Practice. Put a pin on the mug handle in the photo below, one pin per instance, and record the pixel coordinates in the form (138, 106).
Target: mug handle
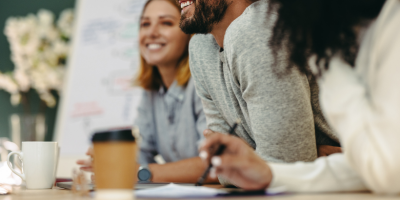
(10, 166)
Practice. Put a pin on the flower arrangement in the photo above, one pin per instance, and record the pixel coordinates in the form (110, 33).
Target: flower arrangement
(39, 49)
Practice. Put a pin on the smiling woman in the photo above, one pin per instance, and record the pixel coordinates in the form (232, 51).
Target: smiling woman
(170, 116)
(163, 46)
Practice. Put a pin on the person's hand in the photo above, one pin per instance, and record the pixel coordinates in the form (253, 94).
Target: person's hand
(239, 164)
(326, 150)
(208, 132)
(87, 164)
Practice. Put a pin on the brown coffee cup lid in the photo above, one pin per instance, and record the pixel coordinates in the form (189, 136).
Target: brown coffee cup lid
(123, 135)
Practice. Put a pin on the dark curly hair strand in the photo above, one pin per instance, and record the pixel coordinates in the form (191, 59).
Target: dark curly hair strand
(320, 27)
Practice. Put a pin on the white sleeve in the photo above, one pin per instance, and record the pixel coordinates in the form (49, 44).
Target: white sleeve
(326, 174)
(364, 107)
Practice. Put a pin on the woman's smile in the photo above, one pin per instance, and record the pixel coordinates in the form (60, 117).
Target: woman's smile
(162, 42)
(155, 46)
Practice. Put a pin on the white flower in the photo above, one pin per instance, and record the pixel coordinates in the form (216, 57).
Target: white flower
(50, 57)
(45, 17)
(37, 47)
(60, 47)
(65, 22)
(22, 79)
(8, 84)
(48, 99)
(52, 79)
(22, 35)
(39, 78)
(15, 99)
(46, 29)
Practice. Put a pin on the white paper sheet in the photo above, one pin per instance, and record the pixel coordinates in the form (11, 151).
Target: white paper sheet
(178, 191)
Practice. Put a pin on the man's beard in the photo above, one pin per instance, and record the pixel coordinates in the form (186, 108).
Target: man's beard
(204, 17)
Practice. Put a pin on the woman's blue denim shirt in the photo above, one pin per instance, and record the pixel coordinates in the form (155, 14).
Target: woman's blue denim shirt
(171, 123)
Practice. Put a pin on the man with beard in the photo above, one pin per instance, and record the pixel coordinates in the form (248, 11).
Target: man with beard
(237, 78)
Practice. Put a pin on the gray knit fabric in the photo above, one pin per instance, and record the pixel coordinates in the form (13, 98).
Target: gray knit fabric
(323, 133)
(241, 81)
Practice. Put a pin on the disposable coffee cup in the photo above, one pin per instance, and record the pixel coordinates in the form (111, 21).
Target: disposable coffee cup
(114, 164)
(39, 161)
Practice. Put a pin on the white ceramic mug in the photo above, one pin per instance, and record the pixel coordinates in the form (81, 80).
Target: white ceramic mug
(39, 161)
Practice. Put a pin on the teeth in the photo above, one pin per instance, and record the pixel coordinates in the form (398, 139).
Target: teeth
(154, 46)
(186, 3)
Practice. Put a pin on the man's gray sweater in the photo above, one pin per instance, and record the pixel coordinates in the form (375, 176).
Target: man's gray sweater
(242, 81)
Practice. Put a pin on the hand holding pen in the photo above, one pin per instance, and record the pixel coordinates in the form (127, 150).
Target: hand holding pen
(219, 151)
(238, 161)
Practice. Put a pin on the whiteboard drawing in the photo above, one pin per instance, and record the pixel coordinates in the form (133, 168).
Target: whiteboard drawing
(104, 59)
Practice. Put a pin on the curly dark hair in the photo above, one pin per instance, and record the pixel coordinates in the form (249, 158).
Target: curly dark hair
(320, 27)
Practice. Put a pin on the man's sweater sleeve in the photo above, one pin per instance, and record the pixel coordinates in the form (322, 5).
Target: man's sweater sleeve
(214, 119)
(278, 100)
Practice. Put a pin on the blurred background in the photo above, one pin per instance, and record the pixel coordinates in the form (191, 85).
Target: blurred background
(66, 71)
(9, 8)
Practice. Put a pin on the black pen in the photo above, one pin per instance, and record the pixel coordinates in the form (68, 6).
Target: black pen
(218, 152)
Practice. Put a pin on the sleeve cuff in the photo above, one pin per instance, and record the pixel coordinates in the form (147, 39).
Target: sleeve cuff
(278, 169)
(326, 174)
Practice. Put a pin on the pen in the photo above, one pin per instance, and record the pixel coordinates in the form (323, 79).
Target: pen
(218, 152)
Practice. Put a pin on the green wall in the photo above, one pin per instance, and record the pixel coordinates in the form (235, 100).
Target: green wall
(22, 8)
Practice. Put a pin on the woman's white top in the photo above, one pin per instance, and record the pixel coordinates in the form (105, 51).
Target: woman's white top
(362, 105)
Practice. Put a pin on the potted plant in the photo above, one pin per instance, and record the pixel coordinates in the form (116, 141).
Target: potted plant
(39, 49)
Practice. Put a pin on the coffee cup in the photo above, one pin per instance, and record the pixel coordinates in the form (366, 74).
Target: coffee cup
(114, 164)
(39, 161)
